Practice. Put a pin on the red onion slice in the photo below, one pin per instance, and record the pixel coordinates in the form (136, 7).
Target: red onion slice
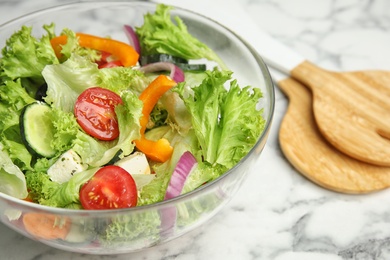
(168, 216)
(185, 165)
(176, 73)
(133, 38)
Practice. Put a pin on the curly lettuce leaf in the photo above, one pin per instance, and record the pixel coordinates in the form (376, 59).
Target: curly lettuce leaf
(24, 57)
(66, 129)
(131, 228)
(49, 193)
(123, 79)
(159, 34)
(242, 123)
(72, 46)
(14, 96)
(226, 121)
(205, 106)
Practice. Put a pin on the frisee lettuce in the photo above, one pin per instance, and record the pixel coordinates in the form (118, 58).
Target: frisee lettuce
(226, 120)
(49, 193)
(24, 58)
(159, 34)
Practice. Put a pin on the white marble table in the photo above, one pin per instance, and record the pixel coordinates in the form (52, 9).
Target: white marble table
(277, 214)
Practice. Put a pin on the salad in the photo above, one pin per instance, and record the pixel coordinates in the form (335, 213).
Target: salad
(89, 122)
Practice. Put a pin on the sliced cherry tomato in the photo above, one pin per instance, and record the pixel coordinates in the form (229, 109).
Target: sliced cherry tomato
(108, 61)
(111, 64)
(103, 59)
(111, 187)
(95, 113)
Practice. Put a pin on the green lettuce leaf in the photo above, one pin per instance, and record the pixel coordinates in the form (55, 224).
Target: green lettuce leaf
(66, 81)
(226, 121)
(12, 179)
(13, 98)
(123, 79)
(24, 57)
(242, 123)
(66, 129)
(49, 193)
(159, 34)
(205, 106)
(18, 153)
(132, 228)
(72, 47)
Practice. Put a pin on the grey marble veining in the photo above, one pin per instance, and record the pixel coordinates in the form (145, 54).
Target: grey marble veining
(277, 213)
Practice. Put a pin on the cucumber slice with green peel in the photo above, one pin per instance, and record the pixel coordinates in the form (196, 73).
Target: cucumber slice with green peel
(178, 61)
(161, 57)
(191, 67)
(37, 130)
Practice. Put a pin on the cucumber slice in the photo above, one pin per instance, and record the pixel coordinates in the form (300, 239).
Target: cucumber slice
(161, 57)
(37, 130)
(180, 62)
(191, 67)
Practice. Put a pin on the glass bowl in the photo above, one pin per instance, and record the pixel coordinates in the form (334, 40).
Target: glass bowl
(146, 226)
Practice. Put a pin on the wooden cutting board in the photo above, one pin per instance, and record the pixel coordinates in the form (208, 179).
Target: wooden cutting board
(352, 110)
(311, 154)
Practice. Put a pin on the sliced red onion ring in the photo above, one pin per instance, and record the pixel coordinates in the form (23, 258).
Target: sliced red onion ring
(168, 216)
(176, 73)
(185, 165)
(133, 38)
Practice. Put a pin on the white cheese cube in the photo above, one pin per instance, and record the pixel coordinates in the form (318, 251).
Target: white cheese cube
(68, 164)
(135, 164)
(138, 167)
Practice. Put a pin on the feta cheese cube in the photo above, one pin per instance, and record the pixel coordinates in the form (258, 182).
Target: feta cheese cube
(68, 164)
(137, 166)
(135, 163)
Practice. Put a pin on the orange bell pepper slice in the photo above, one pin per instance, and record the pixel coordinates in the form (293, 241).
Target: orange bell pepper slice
(159, 150)
(124, 52)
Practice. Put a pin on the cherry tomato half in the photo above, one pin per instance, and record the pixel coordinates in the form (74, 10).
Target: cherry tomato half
(111, 64)
(108, 61)
(95, 113)
(103, 59)
(111, 187)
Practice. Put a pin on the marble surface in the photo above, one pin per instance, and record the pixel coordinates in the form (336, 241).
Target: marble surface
(277, 213)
